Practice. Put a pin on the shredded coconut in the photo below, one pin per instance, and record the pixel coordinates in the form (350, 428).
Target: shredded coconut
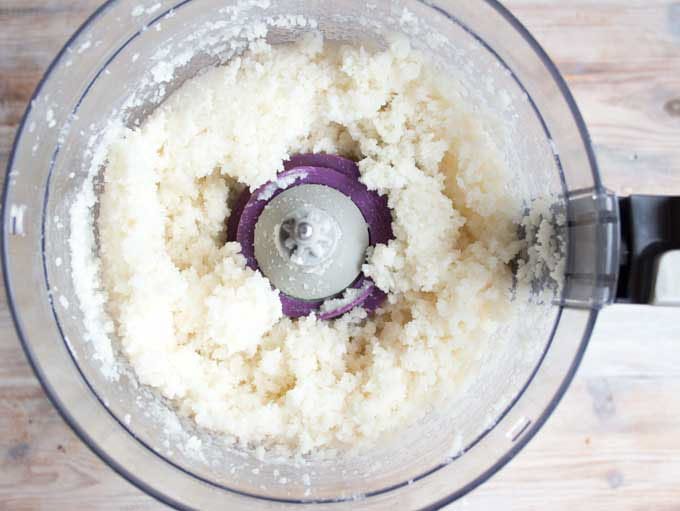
(208, 332)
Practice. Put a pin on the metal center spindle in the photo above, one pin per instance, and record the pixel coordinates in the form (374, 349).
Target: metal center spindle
(305, 231)
(308, 236)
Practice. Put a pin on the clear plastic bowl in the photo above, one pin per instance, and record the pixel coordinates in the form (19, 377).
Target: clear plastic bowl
(113, 57)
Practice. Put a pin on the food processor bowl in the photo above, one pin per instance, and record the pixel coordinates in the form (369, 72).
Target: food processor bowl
(132, 54)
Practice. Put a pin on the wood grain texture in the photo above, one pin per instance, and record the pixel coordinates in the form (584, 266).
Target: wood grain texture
(614, 442)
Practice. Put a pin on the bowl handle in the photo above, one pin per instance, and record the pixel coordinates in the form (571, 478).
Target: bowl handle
(650, 250)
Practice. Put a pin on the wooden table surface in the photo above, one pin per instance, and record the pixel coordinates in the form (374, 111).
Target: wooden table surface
(613, 443)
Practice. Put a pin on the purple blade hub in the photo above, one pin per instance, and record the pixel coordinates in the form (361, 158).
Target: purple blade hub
(335, 172)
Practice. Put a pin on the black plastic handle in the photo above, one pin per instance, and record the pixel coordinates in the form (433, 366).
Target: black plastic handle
(650, 226)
